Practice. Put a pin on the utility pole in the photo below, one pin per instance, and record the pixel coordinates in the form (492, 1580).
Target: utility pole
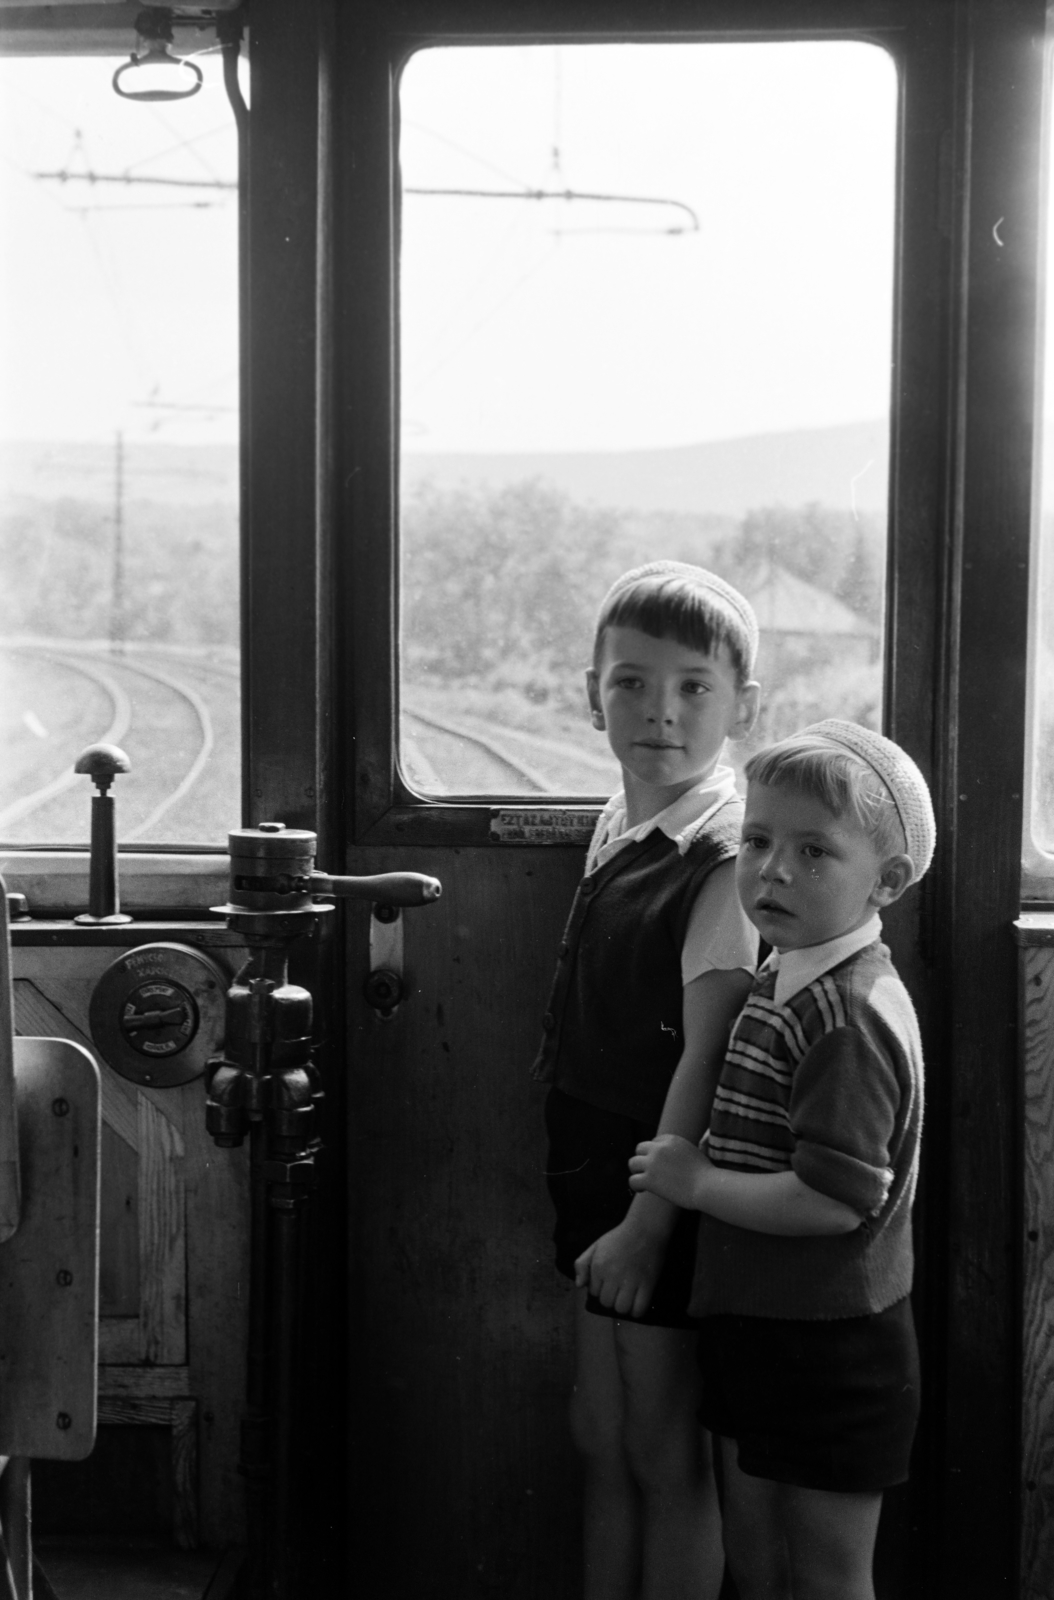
(117, 628)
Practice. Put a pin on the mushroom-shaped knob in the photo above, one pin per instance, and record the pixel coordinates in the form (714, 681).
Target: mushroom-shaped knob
(102, 763)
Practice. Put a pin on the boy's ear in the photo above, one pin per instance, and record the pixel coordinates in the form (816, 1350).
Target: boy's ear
(747, 706)
(897, 874)
(593, 692)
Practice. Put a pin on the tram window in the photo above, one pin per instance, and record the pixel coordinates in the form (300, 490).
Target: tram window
(646, 297)
(118, 454)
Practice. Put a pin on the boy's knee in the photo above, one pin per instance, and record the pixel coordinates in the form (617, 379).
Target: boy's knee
(595, 1428)
(663, 1453)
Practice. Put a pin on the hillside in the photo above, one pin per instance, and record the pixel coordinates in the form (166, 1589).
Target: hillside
(726, 477)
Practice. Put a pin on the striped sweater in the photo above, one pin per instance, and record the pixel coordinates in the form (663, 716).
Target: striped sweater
(828, 1085)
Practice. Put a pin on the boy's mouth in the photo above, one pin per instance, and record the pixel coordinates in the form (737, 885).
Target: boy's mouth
(771, 908)
(658, 744)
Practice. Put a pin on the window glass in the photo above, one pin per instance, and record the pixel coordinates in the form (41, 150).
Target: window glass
(646, 298)
(118, 454)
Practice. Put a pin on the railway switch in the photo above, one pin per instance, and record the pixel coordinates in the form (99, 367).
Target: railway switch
(157, 1014)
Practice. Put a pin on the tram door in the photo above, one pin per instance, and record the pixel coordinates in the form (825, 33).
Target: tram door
(597, 357)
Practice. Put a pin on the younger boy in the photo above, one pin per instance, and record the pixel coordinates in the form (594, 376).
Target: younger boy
(656, 960)
(807, 1347)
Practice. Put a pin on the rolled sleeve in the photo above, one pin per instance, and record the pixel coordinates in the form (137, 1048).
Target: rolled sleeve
(856, 1184)
(843, 1113)
(719, 935)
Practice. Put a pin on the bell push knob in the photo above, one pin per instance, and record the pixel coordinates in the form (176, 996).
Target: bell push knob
(102, 763)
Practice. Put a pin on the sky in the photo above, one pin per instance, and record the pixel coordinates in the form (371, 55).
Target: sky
(526, 325)
(588, 325)
(119, 304)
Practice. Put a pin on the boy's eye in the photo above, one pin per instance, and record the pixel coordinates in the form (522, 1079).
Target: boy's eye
(628, 683)
(754, 841)
(814, 851)
(693, 686)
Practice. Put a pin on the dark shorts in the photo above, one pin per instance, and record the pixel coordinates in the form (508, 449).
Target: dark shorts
(825, 1405)
(588, 1177)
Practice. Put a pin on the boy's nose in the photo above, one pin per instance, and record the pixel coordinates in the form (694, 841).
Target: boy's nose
(773, 867)
(662, 707)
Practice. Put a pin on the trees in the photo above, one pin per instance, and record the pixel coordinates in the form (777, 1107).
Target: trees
(500, 590)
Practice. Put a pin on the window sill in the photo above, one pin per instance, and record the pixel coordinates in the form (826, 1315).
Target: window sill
(55, 882)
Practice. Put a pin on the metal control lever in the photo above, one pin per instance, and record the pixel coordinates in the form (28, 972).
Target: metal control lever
(267, 1088)
(386, 888)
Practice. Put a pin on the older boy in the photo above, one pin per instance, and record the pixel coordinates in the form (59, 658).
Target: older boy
(656, 960)
(804, 1264)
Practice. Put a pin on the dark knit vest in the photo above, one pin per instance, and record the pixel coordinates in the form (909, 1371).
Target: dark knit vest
(613, 1031)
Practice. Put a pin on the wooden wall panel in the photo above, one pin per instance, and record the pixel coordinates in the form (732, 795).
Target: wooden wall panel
(464, 1480)
(184, 1349)
(1037, 1371)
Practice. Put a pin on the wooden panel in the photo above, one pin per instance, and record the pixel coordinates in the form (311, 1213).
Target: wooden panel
(215, 1205)
(56, 1015)
(119, 1228)
(1037, 1375)
(145, 1120)
(461, 1360)
(144, 1383)
(181, 1415)
(162, 1240)
(49, 1269)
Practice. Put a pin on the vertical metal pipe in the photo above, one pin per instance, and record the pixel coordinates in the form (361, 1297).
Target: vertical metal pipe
(286, 1211)
(102, 884)
(255, 1456)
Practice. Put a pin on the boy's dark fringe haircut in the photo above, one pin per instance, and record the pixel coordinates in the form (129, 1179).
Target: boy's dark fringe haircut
(675, 607)
(840, 781)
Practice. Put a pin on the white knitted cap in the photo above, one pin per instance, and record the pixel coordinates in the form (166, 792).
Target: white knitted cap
(727, 597)
(901, 777)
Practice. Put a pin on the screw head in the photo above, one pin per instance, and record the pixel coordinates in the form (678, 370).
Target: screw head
(60, 1107)
(64, 1421)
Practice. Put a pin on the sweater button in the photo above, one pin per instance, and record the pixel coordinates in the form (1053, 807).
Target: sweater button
(587, 886)
(548, 1022)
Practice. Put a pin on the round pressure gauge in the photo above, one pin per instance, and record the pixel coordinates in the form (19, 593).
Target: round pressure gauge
(157, 1014)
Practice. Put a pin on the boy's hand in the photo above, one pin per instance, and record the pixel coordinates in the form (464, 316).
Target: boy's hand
(671, 1167)
(621, 1267)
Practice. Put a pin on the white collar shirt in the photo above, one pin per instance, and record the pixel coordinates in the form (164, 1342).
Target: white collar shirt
(796, 969)
(680, 821)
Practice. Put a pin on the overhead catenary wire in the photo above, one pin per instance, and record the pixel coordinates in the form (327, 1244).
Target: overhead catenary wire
(591, 196)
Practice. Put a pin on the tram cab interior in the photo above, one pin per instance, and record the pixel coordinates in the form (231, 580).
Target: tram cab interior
(353, 349)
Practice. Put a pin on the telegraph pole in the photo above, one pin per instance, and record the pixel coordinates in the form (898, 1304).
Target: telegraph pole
(117, 629)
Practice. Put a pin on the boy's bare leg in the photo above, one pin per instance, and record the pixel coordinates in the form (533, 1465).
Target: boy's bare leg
(612, 1510)
(831, 1540)
(669, 1457)
(755, 1544)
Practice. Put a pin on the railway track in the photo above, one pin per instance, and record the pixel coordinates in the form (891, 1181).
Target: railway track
(142, 807)
(497, 757)
(177, 715)
(511, 762)
(120, 722)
